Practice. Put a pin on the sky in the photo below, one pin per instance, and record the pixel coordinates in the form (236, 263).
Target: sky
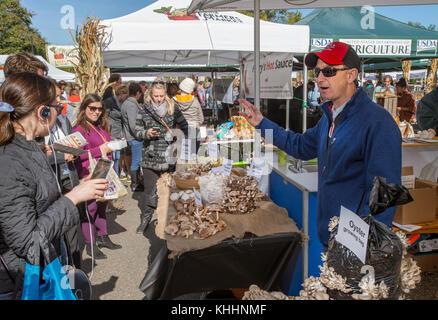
(51, 16)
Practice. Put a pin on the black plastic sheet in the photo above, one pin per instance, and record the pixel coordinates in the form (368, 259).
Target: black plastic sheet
(384, 250)
(267, 261)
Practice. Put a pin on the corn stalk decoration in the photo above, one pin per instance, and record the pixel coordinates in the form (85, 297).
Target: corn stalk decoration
(406, 67)
(89, 41)
(431, 75)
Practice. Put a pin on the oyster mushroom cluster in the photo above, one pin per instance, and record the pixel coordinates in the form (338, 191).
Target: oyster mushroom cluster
(255, 293)
(241, 195)
(195, 222)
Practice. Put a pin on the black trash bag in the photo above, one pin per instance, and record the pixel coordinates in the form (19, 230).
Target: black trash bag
(384, 251)
(384, 196)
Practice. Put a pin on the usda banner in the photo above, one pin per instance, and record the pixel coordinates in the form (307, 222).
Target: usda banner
(275, 76)
(60, 56)
(426, 47)
(380, 47)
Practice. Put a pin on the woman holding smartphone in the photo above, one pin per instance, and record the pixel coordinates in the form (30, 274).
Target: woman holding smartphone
(155, 125)
(92, 123)
(29, 195)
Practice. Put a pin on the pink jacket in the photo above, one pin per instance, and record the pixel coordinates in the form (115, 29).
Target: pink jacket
(94, 142)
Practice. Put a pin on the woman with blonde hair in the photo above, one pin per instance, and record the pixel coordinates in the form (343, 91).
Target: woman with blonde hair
(155, 125)
(92, 123)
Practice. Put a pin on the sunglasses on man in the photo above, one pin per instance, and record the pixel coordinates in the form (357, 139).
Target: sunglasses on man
(155, 83)
(328, 71)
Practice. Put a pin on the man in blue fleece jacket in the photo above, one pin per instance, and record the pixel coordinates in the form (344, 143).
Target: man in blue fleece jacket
(354, 141)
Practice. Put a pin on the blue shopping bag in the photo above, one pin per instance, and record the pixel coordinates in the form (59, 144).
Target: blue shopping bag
(53, 285)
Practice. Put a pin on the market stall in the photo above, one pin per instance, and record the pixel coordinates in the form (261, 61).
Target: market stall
(53, 72)
(220, 232)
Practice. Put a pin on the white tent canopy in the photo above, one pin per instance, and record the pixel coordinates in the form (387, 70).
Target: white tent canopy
(230, 5)
(53, 73)
(162, 34)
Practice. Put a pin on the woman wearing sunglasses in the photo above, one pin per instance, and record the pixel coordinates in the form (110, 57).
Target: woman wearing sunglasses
(156, 126)
(354, 141)
(92, 123)
(29, 195)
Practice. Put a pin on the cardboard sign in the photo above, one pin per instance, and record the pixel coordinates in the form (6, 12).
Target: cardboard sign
(353, 233)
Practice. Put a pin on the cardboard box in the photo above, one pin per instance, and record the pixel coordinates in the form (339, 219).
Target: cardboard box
(408, 177)
(423, 208)
(433, 184)
(427, 263)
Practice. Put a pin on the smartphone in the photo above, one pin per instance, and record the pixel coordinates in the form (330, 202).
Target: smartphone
(156, 129)
(102, 169)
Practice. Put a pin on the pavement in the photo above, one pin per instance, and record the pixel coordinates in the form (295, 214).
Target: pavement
(118, 277)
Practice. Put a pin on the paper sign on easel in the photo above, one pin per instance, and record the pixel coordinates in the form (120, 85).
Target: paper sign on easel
(227, 165)
(257, 168)
(185, 149)
(353, 233)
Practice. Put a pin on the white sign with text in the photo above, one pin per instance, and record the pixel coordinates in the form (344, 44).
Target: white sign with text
(353, 233)
(185, 149)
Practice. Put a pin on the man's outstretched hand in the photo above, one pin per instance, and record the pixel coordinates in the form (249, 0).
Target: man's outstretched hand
(252, 114)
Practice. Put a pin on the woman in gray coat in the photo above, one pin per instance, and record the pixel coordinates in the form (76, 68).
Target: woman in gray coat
(30, 199)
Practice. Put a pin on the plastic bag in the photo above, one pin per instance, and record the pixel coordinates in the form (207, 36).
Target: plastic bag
(384, 196)
(211, 186)
(384, 248)
(223, 129)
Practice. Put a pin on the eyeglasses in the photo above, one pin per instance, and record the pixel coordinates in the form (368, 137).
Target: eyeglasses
(158, 83)
(94, 109)
(329, 71)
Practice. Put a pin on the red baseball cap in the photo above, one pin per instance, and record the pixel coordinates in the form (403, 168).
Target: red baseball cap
(335, 53)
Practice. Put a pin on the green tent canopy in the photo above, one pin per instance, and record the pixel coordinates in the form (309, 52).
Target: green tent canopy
(375, 38)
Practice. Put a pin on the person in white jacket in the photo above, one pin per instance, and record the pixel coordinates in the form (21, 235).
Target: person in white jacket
(190, 107)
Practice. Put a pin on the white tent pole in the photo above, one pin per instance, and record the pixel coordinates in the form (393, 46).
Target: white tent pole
(305, 98)
(257, 53)
(287, 113)
(363, 74)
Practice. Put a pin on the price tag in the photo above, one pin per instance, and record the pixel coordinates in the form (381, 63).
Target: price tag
(227, 165)
(257, 167)
(353, 233)
(213, 150)
(185, 149)
(198, 197)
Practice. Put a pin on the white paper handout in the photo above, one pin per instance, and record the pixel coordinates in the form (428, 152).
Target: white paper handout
(353, 233)
(74, 140)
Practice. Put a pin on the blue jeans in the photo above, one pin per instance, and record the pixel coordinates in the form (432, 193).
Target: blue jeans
(116, 157)
(136, 150)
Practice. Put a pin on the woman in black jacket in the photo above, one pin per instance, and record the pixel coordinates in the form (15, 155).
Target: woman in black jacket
(30, 199)
(156, 125)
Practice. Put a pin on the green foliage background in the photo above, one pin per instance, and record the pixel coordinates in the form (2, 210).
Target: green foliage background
(16, 33)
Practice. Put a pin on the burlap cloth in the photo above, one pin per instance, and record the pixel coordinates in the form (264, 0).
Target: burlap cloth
(268, 219)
